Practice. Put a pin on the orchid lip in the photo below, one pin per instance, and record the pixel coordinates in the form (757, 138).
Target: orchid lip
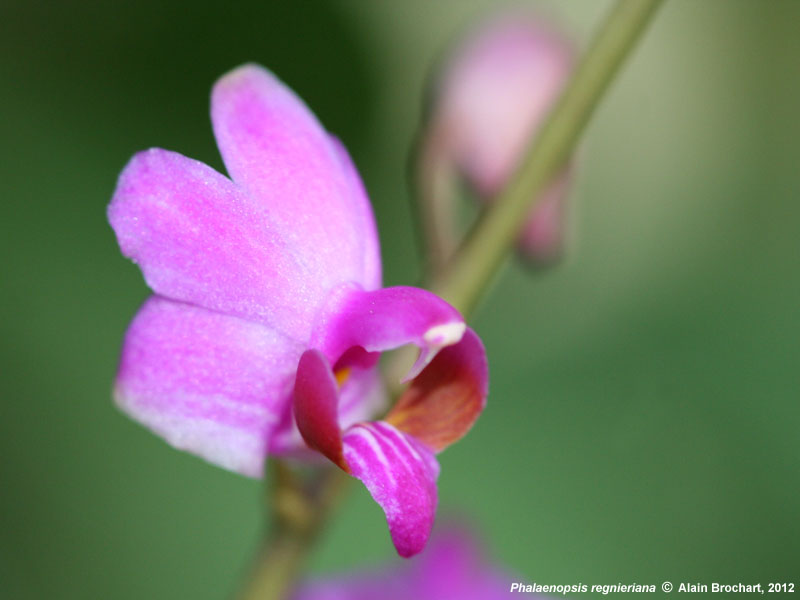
(396, 456)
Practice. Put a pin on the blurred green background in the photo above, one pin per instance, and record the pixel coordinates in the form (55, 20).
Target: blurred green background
(643, 418)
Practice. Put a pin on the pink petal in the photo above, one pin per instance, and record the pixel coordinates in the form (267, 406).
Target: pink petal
(208, 383)
(398, 471)
(200, 239)
(453, 567)
(322, 407)
(400, 474)
(362, 210)
(386, 319)
(316, 400)
(274, 147)
(442, 403)
(361, 397)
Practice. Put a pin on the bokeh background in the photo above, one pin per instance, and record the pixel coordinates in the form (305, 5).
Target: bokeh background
(643, 418)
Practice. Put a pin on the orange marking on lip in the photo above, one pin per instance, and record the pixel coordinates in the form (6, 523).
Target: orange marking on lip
(342, 375)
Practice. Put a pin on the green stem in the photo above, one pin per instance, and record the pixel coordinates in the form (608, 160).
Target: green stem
(487, 245)
(300, 506)
(436, 203)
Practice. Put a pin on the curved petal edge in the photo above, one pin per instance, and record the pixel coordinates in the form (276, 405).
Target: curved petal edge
(316, 399)
(442, 403)
(400, 474)
(386, 319)
(207, 383)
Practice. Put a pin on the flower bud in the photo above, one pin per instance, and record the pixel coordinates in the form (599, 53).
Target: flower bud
(495, 91)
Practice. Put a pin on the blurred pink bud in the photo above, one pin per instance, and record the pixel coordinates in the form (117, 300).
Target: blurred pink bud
(452, 568)
(496, 90)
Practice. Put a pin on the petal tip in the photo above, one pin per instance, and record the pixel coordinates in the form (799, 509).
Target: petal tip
(400, 474)
(435, 339)
(242, 72)
(445, 334)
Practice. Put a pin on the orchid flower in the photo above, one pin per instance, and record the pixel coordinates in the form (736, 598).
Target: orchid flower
(492, 95)
(268, 309)
(451, 568)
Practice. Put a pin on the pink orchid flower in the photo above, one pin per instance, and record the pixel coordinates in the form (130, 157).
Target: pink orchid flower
(451, 568)
(268, 311)
(494, 92)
